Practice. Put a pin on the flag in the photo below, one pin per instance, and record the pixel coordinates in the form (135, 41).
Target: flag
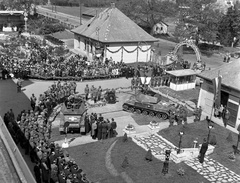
(217, 91)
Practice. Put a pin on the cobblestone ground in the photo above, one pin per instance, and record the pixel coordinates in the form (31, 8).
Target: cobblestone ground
(214, 171)
(155, 143)
(211, 169)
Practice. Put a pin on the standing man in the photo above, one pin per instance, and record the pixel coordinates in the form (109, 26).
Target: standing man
(19, 85)
(227, 117)
(203, 151)
(86, 90)
(37, 172)
(33, 101)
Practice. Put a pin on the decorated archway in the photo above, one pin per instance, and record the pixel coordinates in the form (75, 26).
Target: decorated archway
(192, 45)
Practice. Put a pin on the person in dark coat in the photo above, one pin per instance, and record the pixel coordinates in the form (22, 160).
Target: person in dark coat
(99, 130)
(104, 130)
(37, 172)
(114, 127)
(87, 124)
(203, 151)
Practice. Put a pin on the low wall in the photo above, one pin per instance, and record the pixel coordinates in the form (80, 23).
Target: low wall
(19, 163)
(189, 153)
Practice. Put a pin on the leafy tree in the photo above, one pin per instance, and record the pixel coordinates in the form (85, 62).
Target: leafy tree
(229, 26)
(198, 21)
(147, 13)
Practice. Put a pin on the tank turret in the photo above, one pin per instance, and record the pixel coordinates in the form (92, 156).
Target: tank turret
(148, 105)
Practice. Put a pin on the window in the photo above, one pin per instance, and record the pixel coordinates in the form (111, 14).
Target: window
(233, 109)
(85, 44)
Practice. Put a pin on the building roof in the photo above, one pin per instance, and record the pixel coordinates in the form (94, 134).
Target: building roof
(62, 35)
(112, 25)
(182, 72)
(230, 73)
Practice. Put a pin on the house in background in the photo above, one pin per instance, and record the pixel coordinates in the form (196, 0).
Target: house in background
(160, 28)
(113, 34)
(230, 93)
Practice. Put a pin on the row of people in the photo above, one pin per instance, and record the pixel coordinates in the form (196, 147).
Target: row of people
(32, 130)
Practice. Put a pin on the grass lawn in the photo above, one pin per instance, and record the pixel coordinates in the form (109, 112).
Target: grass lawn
(91, 159)
(143, 172)
(200, 130)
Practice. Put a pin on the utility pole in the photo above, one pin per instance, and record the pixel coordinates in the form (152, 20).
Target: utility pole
(80, 8)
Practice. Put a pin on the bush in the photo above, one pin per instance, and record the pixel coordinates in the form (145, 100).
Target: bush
(213, 141)
(125, 137)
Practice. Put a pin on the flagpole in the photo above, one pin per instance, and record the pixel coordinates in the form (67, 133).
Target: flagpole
(214, 101)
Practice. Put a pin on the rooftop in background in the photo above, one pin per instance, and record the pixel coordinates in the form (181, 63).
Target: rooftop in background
(63, 35)
(112, 25)
(230, 73)
(87, 12)
(182, 72)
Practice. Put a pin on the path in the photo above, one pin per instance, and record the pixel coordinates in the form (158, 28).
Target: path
(112, 170)
(211, 169)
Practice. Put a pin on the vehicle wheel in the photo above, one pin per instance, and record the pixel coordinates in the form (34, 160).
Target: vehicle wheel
(151, 114)
(145, 113)
(138, 111)
(159, 115)
(132, 110)
(164, 116)
(125, 107)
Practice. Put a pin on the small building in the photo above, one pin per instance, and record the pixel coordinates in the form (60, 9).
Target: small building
(183, 79)
(230, 93)
(112, 34)
(160, 28)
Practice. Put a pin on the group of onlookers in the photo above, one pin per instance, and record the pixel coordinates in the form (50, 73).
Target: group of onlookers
(99, 128)
(32, 131)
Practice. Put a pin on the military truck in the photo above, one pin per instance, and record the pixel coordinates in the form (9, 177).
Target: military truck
(72, 114)
(148, 105)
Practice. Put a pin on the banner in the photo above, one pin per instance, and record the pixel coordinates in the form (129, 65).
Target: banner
(217, 91)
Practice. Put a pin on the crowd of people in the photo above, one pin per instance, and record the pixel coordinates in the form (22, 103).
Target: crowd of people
(100, 128)
(31, 129)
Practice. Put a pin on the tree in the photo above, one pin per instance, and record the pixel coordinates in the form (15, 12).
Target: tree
(229, 26)
(147, 13)
(198, 21)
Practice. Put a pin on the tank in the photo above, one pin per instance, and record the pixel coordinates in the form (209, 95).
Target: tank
(72, 114)
(148, 105)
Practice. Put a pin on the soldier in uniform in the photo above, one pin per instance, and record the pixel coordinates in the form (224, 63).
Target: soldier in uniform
(86, 90)
(133, 82)
(195, 114)
(171, 118)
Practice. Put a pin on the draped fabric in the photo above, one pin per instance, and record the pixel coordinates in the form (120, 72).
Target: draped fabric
(128, 51)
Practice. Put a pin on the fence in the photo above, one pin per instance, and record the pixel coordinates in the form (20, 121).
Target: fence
(19, 163)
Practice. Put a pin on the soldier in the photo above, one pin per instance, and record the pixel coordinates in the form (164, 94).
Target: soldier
(195, 114)
(133, 82)
(86, 90)
(33, 101)
(171, 118)
(99, 93)
(19, 85)
(199, 113)
(37, 172)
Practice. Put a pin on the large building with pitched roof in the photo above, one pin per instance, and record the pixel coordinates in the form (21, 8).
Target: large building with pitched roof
(113, 34)
(230, 92)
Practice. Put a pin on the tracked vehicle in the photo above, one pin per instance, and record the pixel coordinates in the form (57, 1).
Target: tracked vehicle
(72, 114)
(148, 105)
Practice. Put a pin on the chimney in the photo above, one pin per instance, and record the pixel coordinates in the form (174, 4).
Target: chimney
(112, 5)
